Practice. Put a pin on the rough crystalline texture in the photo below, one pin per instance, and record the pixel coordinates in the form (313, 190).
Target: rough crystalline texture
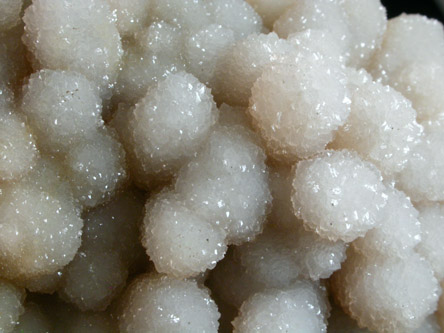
(188, 14)
(92, 280)
(237, 15)
(423, 177)
(320, 43)
(372, 291)
(110, 246)
(10, 13)
(162, 304)
(62, 108)
(339, 322)
(227, 184)
(178, 240)
(33, 320)
(270, 10)
(431, 246)
(382, 124)
(357, 36)
(11, 305)
(338, 195)
(167, 127)
(204, 50)
(319, 15)
(221, 197)
(411, 59)
(298, 250)
(17, 147)
(269, 260)
(244, 63)
(115, 226)
(184, 35)
(77, 35)
(422, 85)
(409, 39)
(151, 59)
(399, 231)
(366, 31)
(275, 259)
(299, 308)
(132, 15)
(40, 225)
(245, 271)
(149, 69)
(295, 112)
(192, 15)
(318, 257)
(96, 168)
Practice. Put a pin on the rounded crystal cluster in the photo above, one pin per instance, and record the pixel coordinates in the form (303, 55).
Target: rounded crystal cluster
(220, 166)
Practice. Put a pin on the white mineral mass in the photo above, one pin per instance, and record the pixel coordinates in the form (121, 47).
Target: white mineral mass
(18, 151)
(188, 14)
(299, 308)
(220, 166)
(338, 195)
(270, 10)
(179, 241)
(244, 63)
(62, 108)
(110, 246)
(75, 35)
(278, 257)
(365, 31)
(268, 261)
(227, 184)
(398, 232)
(163, 304)
(372, 291)
(93, 279)
(205, 49)
(374, 129)
(409, 39)
(96, 168)
(40, 226)
(237, 15)
(11, 305)
(295, 112)
(431, 217)
(155, 55)
(132, 15)
(167, 127)
(422, 178)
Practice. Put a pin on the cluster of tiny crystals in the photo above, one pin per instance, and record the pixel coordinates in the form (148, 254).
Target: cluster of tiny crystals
(210, 166)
